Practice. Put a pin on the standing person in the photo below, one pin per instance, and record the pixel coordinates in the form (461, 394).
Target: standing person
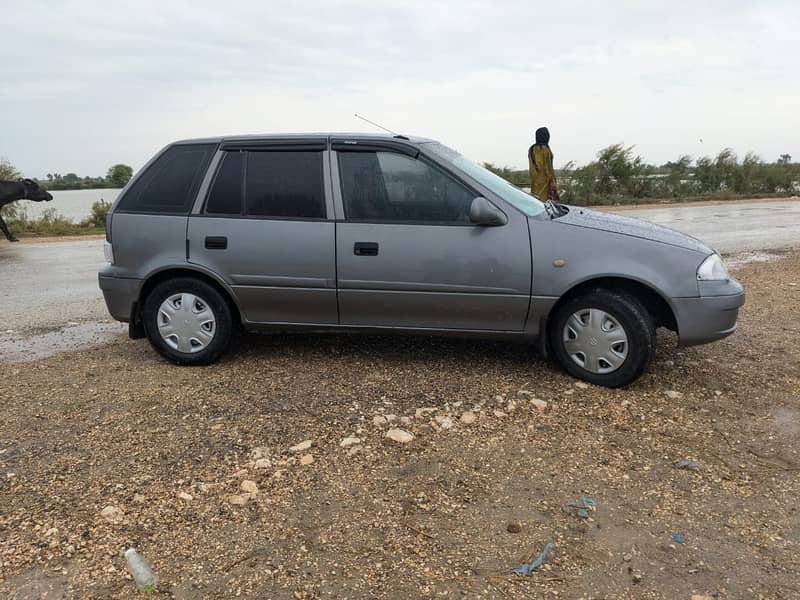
(540, 165)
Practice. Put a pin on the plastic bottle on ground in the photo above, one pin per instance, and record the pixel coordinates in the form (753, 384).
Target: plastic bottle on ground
(144, 577)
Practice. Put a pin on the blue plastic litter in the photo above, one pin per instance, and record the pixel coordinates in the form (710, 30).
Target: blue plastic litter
(691, 465)
(678, 538)
(581, 507)
(530, 567)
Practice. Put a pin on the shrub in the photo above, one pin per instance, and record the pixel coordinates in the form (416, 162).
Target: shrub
(98, 217)
(51, 223)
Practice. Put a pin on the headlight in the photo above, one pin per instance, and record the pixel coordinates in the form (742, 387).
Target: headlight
(712, 269)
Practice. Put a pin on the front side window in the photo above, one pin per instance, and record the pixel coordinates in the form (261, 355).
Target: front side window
(387, 186)
(170, 184)
(528, 204)
(284, 184)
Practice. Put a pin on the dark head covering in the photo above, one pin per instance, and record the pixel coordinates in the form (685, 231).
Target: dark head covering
(542, 136)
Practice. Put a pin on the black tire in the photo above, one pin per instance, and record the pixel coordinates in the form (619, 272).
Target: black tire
(630, 314)
(210, 296)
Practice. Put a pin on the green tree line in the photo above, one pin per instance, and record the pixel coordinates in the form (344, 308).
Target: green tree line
(619, 175)
(116, 177)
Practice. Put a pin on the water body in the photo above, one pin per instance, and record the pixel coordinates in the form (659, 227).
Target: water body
(75, 205)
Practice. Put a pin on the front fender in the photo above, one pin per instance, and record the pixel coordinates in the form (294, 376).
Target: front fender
(566, 255)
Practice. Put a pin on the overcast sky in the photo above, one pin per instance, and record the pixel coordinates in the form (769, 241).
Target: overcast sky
(88, 84)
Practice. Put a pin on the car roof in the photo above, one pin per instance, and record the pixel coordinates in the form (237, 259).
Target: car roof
(307, 136)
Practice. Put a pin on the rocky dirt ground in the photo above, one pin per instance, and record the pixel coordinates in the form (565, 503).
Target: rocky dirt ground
(111, 447)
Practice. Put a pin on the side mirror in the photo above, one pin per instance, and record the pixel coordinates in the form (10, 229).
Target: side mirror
(482, 212)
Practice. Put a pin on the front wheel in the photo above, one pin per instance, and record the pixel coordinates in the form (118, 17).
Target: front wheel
(188, 321)
(604, 337)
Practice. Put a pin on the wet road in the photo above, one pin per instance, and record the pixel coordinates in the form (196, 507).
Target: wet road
(50, 290)
(734, 227)
(49, 286)
(49, 283)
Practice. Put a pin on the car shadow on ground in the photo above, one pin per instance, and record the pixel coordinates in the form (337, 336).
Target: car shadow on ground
(390, 348)
(510, 355)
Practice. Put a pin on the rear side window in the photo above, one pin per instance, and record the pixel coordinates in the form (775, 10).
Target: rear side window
(226, 193)
(170, 184)
(387, 186)
(284, 184)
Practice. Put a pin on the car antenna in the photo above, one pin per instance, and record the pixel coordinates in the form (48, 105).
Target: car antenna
(394, 133)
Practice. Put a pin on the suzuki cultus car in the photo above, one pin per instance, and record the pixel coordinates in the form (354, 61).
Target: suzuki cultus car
(390, 233)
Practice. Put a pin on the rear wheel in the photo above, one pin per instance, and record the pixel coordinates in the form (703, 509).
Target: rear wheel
(188, 321)
(604, 337)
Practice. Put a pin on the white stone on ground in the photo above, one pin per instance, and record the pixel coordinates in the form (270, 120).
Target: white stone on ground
(401, 436)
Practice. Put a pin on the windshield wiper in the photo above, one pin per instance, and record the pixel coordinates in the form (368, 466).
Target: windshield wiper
(554, 209)
(551, 209)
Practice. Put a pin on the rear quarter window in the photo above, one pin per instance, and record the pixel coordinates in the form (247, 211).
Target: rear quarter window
(170, 184)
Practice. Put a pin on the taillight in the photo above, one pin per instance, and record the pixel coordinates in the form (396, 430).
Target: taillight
(108, 226)
(108, 252)
(108, 249)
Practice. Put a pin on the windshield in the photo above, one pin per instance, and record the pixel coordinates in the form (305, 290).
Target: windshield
(508, 192)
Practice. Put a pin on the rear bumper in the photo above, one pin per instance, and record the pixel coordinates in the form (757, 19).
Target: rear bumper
(120, 293)
(708, 318)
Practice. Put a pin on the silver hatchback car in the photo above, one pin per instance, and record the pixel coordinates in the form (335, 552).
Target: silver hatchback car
(390, 233)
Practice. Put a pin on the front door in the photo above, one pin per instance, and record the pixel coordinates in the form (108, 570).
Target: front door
(407, 254)
(264, 229)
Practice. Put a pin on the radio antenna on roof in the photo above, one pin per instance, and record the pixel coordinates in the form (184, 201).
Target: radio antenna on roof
(358, 116)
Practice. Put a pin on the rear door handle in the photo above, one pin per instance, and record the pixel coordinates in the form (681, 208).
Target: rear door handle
(365, 249)
(216, 243)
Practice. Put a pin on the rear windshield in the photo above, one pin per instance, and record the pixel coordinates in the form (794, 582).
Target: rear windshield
(170, 184)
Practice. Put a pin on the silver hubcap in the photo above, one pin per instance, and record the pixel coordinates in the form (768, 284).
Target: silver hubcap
(186, 323)
(595, 340)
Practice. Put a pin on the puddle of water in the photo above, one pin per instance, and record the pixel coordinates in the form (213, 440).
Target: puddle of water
(17, 347)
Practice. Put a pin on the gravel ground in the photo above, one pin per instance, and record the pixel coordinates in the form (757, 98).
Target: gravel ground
(111, 447)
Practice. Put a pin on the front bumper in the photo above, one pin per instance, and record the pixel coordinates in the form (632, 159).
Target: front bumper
(709, 317)
(120, 293)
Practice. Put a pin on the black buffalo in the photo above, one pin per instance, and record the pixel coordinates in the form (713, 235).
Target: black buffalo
(24, 189)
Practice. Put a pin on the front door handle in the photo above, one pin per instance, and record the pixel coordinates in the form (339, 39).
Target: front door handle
(216, 243)
(365, 249)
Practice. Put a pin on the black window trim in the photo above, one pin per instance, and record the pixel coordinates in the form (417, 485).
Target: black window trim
(355, 145)
(265, 147)
(205, 215)
(150, 213)
(277, 145)
(390, 147)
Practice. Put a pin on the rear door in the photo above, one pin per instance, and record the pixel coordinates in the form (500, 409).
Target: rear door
(408, 255)
(264, 227)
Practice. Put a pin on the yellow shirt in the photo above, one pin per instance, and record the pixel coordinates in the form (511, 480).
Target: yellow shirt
(540, 166)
